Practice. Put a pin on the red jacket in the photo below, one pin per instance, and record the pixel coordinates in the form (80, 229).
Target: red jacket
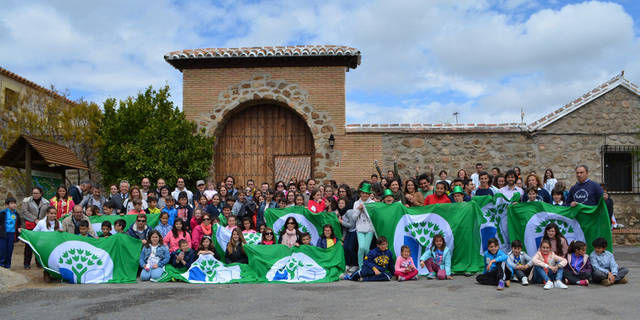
(433, 199)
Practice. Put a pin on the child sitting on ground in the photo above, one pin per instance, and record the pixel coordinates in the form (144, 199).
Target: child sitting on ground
(328, 238)
(496, 271)
(405, 268)
(519, 263)
(154, 256)
(206, 247)
(183, 257)
(605, 268)
(378, 264)
(106, 229)
(83, 229)
(437, 259)
(578, 269)
(548, 266)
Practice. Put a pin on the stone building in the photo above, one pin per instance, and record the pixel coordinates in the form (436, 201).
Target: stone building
(272, 105)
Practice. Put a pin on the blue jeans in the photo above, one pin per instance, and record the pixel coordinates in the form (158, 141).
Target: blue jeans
(549, 275)
(154, 274)
(364, 243)
(6, 249)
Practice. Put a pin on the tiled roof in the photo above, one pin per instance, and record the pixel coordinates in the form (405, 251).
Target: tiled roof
(435, 128)
(51, 153)
(253, 52)
(33, 85)
(614, 82)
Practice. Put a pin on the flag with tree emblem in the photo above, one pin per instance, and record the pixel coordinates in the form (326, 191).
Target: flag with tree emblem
(78, 259)
(222, 236)
(279, 263)
(307, 221)
(493, 222)
(208, 269)
(96, 221)
(527, 222)
(416, 226)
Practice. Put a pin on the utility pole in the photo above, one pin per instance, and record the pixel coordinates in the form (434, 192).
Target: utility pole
(455, 114)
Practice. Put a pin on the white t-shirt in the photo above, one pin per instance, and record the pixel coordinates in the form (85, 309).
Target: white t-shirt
(41, 226)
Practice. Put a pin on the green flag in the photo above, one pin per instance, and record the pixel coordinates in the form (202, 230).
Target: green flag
(78, 259)
(493, 221)
(307, 221)
(279, 263)
(222, 236)
(584, 223)
(416, 226)
(207, 269)
(96, 221)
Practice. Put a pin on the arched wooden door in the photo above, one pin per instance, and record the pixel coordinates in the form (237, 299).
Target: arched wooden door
(260, 137)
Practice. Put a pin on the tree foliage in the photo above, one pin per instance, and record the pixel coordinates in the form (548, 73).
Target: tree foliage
(147, 136)
(50, 116)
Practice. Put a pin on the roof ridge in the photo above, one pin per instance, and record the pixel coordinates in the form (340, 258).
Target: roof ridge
(34, 85)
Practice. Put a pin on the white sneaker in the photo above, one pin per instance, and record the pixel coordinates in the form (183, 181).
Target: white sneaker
(525, 281)
(548, 285)
(558, 284)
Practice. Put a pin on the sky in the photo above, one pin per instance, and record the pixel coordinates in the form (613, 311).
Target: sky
(422, 60)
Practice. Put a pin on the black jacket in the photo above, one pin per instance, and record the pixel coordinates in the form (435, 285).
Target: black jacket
(189, 258)
(239, 256)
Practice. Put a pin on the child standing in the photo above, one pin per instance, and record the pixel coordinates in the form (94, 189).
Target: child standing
(119, 226)
(328, 238)
(519, 263)
(378, 264)
(548, 266)
(153, 203)
(364, 226)
(178, 233)
(170, 208)
(9, 225)
(437, 259)
(578, 269)
(105, 228)
(496, 271)
(267, 237)
(605, 268)
(348, 221)
(405, 268)
(305, 239)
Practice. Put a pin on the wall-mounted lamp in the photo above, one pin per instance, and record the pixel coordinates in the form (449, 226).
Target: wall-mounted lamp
(332, 141)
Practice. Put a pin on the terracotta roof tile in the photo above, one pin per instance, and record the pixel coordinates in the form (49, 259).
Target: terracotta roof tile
(33, 85)
(52, 153)
(248, 52)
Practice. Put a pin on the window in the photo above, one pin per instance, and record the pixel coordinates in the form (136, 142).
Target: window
(10, 98)
(621, 168)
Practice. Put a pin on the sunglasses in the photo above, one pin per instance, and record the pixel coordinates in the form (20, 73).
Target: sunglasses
(291, 223)
(268, 233)
(206, 219)
(141, 220)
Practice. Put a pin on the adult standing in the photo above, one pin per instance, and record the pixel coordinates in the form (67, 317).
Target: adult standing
(533, 181)
(93, 199)
(34, 209)
(200, 188)
(476, 175)
(77, 192)
(584, 191)
(146, 186)
(62, 201)
(118, 200)
(229, 181)
(511, 188)
(159, 184)
(181, 188)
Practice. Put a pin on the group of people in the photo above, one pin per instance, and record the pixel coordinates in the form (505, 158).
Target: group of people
(187, 217)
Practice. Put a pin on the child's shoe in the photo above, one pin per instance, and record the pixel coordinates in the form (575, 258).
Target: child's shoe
(500, 285)
(507, 283)
(583, 283)
(345, 276)
(559, 285)
(401, 278)
(605, 282)
(548, 285)
(525, 281)
(623, 280)
(431, 275)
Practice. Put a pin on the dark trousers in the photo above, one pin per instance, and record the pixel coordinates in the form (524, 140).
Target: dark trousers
(501, 272)
(28, 255)
(599, 275)
(367, 274)
(351, 248)
(573, 278)
(521, 273)
(6, 249)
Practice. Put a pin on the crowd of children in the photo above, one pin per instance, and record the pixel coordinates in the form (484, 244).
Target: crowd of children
(185, 228)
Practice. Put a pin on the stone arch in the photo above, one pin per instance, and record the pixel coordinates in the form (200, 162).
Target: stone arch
(262, 88)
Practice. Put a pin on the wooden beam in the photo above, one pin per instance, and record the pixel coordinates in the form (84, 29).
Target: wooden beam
(27, 169)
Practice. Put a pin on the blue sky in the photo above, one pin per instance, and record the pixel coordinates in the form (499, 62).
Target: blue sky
(421, 60)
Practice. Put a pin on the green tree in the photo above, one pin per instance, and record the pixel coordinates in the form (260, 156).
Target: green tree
(147, 136)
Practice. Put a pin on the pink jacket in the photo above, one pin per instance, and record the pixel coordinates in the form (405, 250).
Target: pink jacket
(172, 242)
(554, 260)
(197, 237)
(402, 264)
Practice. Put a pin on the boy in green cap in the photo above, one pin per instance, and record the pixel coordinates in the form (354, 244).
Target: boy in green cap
(387, 196)
(457, 194)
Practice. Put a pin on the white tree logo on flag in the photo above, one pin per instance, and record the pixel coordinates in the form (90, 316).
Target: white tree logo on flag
(417, 231)
(495, 224)
(253, 238)
(296, 268)
(81, 262)
(209, 269)
(534, 231)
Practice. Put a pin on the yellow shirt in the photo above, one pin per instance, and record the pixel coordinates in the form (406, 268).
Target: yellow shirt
(330, 243)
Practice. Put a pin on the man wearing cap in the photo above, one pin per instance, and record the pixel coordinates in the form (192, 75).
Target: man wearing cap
(9, 224)
(387, 196)
(200, 187)
(364, 226)
(457, 195)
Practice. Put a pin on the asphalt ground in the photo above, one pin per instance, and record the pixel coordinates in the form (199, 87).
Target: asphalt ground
(461, 298)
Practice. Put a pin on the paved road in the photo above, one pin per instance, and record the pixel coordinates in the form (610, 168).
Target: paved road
(460, 298)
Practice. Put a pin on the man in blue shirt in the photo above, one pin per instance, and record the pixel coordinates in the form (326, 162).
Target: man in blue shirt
(9, 224)
(584, 191)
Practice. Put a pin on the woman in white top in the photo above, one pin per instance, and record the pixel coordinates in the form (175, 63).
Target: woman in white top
(50, 223)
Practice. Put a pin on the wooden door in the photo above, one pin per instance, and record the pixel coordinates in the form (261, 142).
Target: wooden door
(253, 137)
